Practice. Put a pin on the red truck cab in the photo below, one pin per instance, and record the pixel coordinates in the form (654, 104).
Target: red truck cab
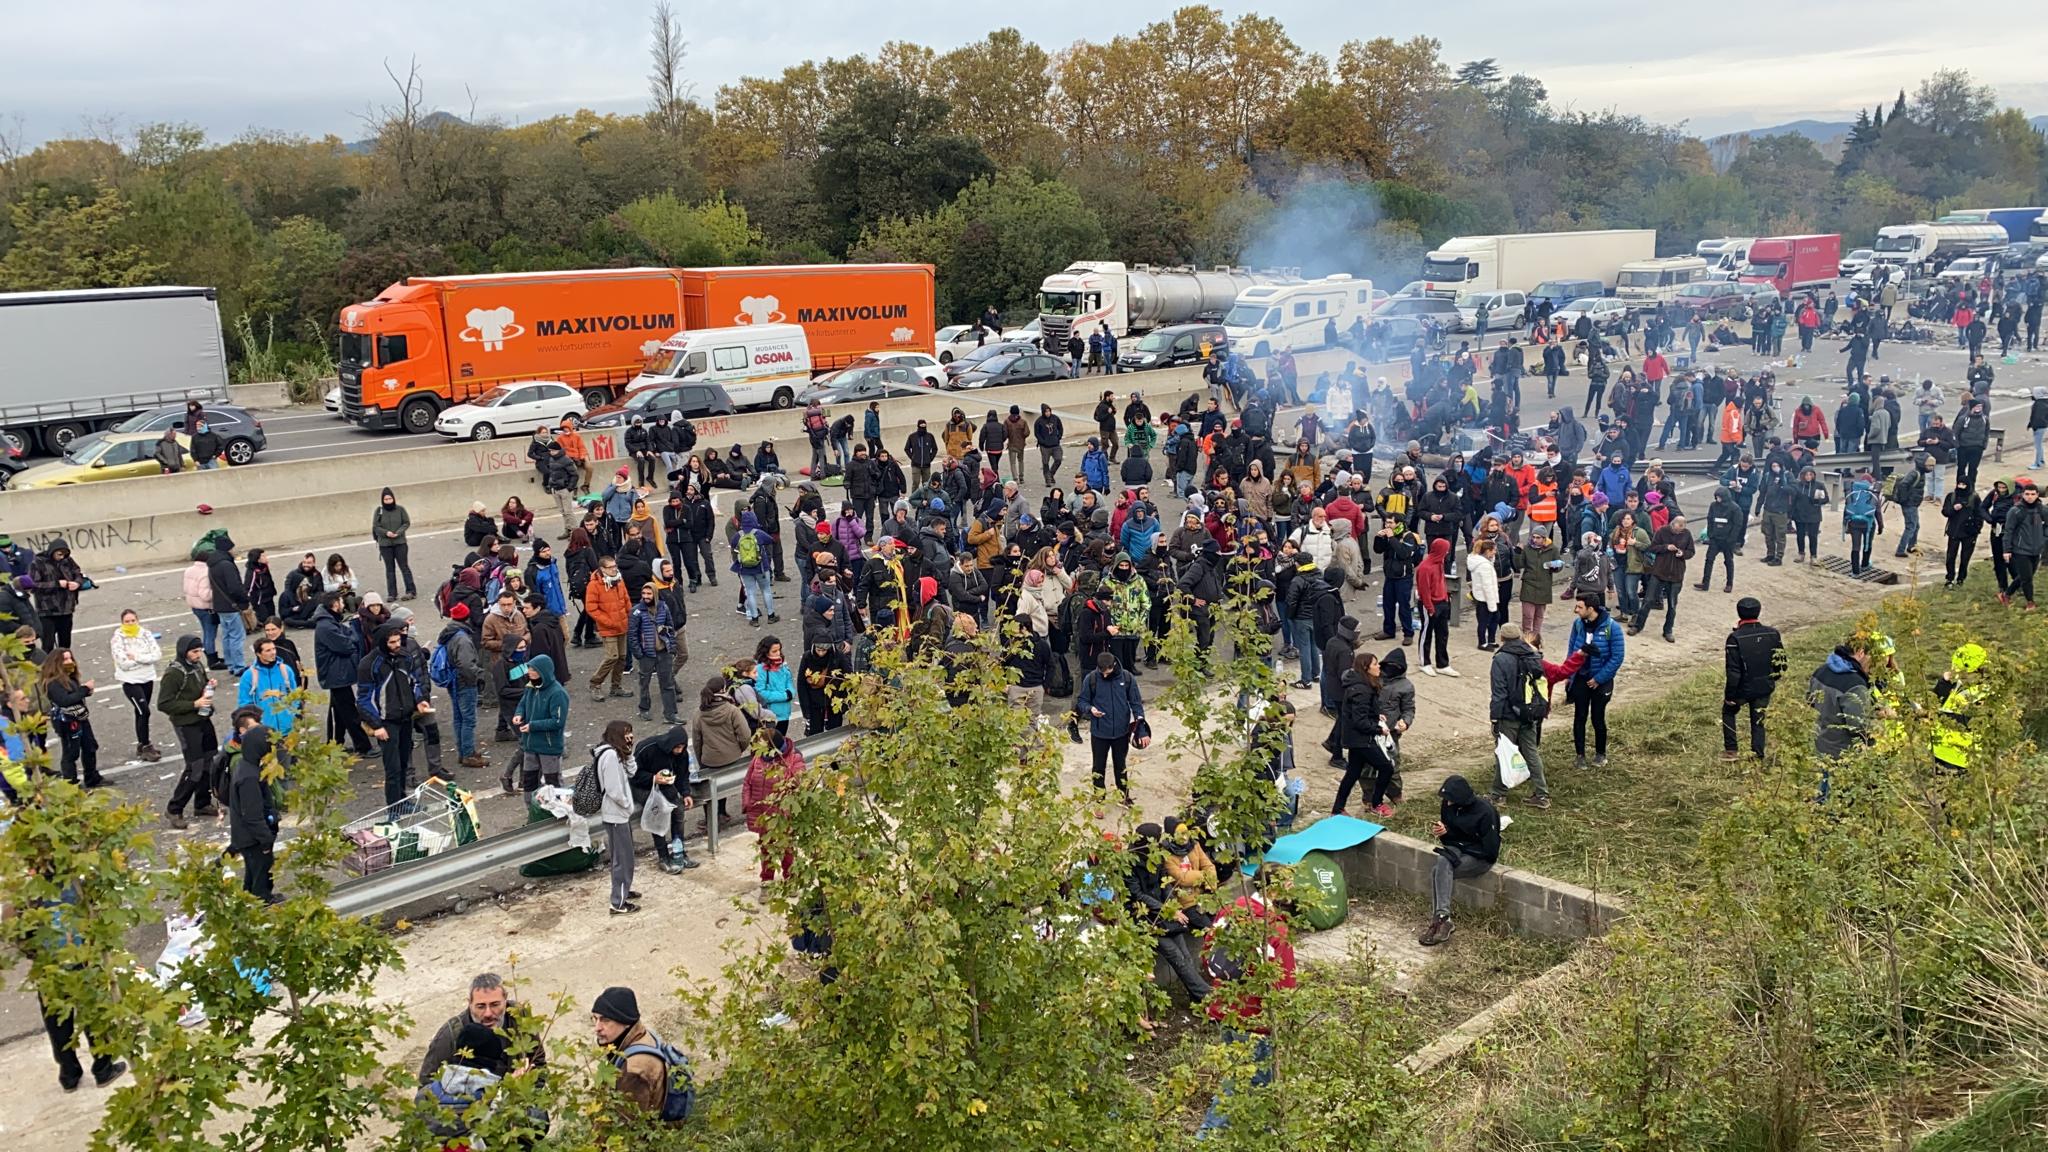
(1789, 263)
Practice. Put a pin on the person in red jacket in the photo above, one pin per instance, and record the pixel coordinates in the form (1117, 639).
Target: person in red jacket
(768, 776)
(1809, 423)
(1432, 594)
(1655, 368)
(1235, 967)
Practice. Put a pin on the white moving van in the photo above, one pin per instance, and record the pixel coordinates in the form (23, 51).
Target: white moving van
(756, 364)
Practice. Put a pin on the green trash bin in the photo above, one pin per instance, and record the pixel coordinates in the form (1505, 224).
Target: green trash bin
(1319, 882)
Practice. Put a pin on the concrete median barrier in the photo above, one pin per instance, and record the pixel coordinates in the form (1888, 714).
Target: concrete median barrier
(155, 519)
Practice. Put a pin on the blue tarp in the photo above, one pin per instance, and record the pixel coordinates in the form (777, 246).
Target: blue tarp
(1330, 834)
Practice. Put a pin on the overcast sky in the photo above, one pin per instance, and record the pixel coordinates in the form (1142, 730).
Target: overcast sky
(232, 65)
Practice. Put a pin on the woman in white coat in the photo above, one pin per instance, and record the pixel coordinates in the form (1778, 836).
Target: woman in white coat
(137, 656)
(1482, 583)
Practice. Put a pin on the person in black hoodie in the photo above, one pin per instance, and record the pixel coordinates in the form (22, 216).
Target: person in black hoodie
(1359, 731)
(230, 599)
(1468, 846)
(252, 817)
(664, 763)
(1755, 660)
(1965, 516)
(1725, 522)
(1153, 907)
(1402, 550)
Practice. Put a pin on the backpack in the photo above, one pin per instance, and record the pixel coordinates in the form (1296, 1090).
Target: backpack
(444, 598)
(1534, 706)
(441, 668)
(1860, 507)
(203, 548)
(588, 798)
(680, 1094)
(748, 550)
(1137, 470)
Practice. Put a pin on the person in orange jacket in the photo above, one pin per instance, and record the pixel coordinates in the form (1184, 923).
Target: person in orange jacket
(607, 603)
(1730, 436)
(578, 452)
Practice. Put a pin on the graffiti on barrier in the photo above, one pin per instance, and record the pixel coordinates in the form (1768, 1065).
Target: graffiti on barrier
(493, 460)
(87, 539)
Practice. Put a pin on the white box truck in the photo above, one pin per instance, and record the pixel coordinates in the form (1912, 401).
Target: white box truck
(1465, 264)
(73, 362)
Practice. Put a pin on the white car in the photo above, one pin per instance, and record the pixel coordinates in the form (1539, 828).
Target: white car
(332, 401)
(1856, 261)
(954, 341)
(928, 369)
(511, 409)
(1027, 332)
(1967, 268)
(1607, 313)
(1503, 310)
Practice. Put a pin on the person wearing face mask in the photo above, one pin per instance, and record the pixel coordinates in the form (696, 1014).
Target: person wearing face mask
(542, 721)
(392, 696)
(609, 604)
(136, 657)
(609, 760)
(2025, 528)
(388, 526)
(71, 716)
(205, 446)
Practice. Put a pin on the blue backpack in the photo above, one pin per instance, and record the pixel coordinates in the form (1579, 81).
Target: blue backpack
(681, 1093)
(441, 668)
(1861, 506)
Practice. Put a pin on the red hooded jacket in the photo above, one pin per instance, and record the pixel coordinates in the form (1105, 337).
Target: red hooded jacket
(1430, 589)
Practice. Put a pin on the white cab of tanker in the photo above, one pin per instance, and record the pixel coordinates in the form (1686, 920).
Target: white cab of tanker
(1138, 298)
(1269, 318)
(1518, 263)
(1914, 248)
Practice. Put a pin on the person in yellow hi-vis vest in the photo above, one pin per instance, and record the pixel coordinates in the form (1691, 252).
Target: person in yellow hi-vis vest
(1953, 740)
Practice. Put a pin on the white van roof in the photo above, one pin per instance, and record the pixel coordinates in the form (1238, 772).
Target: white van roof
(753, 332)
(1667, 262)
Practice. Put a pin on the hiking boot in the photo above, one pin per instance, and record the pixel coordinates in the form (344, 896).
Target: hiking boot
(474, 760)
(505, 782)
(1730, 755)
(1438, 932)
(1383, 635)
(103, 1075)
(148, 752)
(1540, 803)
(1700, 587)
(175, 822)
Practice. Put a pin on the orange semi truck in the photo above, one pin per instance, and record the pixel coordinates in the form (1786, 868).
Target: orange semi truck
(429, 342)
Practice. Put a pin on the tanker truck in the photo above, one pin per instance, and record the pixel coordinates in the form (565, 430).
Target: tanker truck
(1089, 293)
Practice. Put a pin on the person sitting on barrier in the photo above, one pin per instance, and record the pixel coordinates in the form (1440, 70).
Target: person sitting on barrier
(1468, 836)
(490, 1006)
(1155, 908)
(663, 764)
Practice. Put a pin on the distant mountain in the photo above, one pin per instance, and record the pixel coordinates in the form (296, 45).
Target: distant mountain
(430, 120)
(1826, 134)
(2040, 123)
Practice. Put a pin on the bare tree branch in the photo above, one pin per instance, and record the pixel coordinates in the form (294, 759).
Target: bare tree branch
(669, 91)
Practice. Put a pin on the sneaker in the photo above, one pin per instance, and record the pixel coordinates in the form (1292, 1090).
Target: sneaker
(1540, 803)
(623, 909)
(631, 895)
(646, 715)
(1580, 762)
(1438, 932)
(1302, 684)
(148, 752)
(101, 1077)
(2004, 599)
(1383, 635)
(474, 760)
(174, 822)
(774, 619)
(753, 621)
(599, 695)
(1429, 669)
(686, 863)
(1600, 761)
(1447, 670)
(1407, 639)
(1730, 754)
(1383, 811)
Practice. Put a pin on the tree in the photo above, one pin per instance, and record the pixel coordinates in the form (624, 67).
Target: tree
(995, 243)
(1863, 136)
(980, 982)
(891, 152)
(714, 232)
(668, 93)
(998, 88)
(74, 243)
(1479, 73)
(1950, 104)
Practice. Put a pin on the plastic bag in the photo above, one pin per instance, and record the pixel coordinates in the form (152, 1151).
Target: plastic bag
(1508, 758)
(654, 816)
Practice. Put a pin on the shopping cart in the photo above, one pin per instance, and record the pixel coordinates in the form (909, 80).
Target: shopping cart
(437, 816)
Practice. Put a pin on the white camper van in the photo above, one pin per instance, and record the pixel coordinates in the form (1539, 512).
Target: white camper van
(1644, 284)
(756, 364)
(1269, 318)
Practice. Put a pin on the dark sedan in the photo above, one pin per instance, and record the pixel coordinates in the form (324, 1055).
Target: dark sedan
(973, 361)
(241, 435)
(1024, 368)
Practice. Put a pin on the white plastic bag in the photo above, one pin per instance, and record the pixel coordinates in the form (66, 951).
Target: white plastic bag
(1508, 758)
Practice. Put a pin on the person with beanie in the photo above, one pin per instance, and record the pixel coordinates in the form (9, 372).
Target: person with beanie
(391, 696)
(1110, 701)
(388, 526)
(626, 1042)
(1755, 659)
(466, 664)
(1468, 837)
(1517, 705)
(186, 699)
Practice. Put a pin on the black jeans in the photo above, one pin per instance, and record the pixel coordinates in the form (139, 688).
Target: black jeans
(63, 1033)
(398, 738)
(344, 722)
(1727, 556)
(397, 559)
(1957, 560)
(256, 871)
(1807, 535)
(138, 700)
(79, 744)
(1729, 711)
(1437, 637)
(1662, 590)
(1967, 460)
(199, 745)
(1358, 761)
(1108, 752)
(56, 631)
(1590, 703)
(2023, 576)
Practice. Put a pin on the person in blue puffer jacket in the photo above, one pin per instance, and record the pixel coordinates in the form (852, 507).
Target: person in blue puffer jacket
(774, 681)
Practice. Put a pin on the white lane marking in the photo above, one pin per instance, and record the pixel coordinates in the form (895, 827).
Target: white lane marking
(321, 547)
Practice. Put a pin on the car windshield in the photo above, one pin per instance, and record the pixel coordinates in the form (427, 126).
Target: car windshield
(665, 362)
(995, 364)
(493, 398)
(1155, 342)
(136, 423)
(1449, 268)
(1861, 254)
(951, 332)
(981, 354)
(1648, 279)
(1552, 289)
(355, 348)
(1693, 290)
(1586, 304)
(1472, 300)
(1245, 315)
(1060, 303)
(1897, 243)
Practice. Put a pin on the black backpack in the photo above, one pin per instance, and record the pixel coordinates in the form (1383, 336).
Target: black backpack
(1534, 706)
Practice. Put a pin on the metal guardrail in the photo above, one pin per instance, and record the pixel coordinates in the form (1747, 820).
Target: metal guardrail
(405, 884)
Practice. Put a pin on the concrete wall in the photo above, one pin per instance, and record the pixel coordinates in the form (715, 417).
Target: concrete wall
(154, 519)
(1532, 904)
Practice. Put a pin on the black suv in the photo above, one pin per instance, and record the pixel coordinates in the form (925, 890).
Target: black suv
(1171, 345)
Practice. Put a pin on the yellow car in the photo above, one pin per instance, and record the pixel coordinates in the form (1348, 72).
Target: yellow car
(114, 456)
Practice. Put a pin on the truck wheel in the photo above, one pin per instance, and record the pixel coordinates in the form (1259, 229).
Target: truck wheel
(784, 398)
(57, 437)
(595, 398)
(241, 450)
(418, 416)
(482, 431)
